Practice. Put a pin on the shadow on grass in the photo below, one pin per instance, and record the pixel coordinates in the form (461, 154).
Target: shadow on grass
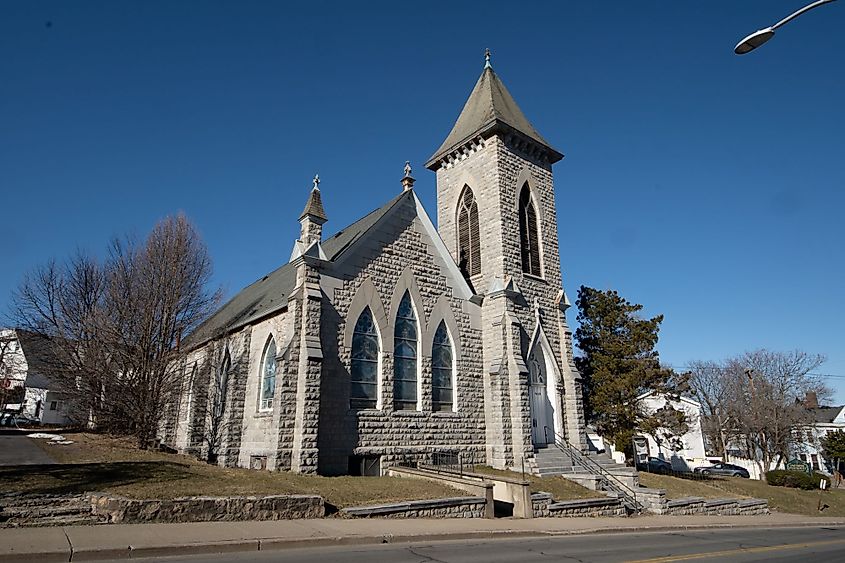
(87, 477)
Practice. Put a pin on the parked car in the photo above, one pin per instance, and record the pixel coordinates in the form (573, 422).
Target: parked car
(727, 469)
(655, 465)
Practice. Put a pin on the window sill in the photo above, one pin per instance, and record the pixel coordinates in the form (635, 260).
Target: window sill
(409, 414)
(365, 411)
(446, 414)
(263, 414)
(533, 277)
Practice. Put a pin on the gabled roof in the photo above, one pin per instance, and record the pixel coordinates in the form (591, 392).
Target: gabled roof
(489, 108)
(41, 359)
(270, 293)
(825, 414)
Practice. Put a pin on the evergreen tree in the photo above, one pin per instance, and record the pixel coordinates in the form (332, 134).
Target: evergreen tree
(619, 363)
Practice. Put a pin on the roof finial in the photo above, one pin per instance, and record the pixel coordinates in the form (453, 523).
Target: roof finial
(407, 180)
(487, 59)
(316, 181)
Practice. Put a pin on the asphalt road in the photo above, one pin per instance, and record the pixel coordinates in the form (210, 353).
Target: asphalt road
(17, 449)
(742, 545)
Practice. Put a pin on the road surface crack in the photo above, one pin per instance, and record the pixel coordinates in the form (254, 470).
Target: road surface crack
(425, 557)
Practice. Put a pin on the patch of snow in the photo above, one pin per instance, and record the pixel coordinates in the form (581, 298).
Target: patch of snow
(42, 436)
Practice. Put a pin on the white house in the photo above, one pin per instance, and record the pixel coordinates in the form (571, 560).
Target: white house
(28, 361)
(825, 419)
(684, 452)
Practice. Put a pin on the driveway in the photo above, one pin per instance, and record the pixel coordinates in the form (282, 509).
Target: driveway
(17, 449)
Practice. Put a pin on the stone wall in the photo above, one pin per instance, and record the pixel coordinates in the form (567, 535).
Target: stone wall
(655, 501)
(545, 507)
(459, 507)
(117, 510)
(395, 256)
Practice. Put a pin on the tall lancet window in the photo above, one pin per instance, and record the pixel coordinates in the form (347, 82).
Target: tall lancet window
(363, 381)
(529, 237)
(442, 371)
(268, 376)
(469, 244)
(405, 356)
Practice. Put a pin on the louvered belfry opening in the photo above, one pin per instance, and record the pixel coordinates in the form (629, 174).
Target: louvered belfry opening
(469, 243)
(528, 235)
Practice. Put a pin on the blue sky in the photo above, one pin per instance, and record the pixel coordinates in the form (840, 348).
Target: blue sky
(706, 186)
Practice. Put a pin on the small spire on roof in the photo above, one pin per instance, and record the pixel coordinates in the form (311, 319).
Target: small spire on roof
(314, 205)
(487, 59)
(407, 180)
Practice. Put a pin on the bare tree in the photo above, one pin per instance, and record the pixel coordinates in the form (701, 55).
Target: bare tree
(713, 390)
(117, 326)
(757, 398)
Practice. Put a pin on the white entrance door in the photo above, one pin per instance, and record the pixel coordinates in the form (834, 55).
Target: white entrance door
(542, 413)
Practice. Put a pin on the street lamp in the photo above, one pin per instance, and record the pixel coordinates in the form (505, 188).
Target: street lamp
(757, 38)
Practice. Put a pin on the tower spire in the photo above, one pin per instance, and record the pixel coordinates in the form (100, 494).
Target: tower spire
(407, 179)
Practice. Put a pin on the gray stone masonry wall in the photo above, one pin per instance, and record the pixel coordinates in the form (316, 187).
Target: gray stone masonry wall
(117, 510)
(396, 246)
(459, 507)
(545, 507)
(655, 501)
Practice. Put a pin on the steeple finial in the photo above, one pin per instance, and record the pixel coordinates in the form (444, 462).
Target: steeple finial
(487, 59)
(316, 181)
(407, 180)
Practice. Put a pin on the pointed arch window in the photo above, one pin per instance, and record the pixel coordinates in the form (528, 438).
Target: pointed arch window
(363, 381)
(405, 356)
(529, 239)
(442, 371)
(221, 389)
(268, 376)
(469, 243)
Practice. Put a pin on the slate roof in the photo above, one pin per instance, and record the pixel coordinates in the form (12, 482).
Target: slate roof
(489, 107)
(270, 293)
(825, 414)
(314, 206)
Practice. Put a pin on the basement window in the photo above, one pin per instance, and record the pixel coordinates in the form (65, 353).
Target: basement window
(365, 465)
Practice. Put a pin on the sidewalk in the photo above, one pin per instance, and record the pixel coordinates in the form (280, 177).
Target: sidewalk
(148, 540)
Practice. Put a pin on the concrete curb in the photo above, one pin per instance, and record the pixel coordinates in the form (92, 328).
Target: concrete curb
(268, 544)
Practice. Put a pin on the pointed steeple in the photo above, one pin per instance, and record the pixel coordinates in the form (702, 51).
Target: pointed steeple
(489, 109)
(314, 205)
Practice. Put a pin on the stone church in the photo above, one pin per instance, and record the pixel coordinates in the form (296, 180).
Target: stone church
(395, 341)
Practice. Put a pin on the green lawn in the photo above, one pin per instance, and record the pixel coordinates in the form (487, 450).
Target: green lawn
(781, 499)
(97, 463)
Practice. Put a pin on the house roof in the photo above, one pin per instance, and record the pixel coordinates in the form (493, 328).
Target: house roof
(271, 292)
(489, 108)
(41, 359)
(825, 414)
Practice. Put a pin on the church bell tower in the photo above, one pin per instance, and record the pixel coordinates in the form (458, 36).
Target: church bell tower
(496, 213)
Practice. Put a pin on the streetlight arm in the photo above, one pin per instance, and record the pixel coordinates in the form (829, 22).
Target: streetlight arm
(797, 13)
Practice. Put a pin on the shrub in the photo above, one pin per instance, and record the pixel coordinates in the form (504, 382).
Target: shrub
(795, 479)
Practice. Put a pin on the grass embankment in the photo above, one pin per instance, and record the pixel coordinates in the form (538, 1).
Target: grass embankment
(97, 463)
(560, 488)
(781, 499)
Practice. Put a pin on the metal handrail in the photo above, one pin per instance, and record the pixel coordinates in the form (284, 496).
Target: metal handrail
(595, 468)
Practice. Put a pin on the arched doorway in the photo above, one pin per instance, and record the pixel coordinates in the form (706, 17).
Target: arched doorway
(542, 408)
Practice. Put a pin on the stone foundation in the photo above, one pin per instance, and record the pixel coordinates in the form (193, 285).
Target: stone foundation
(459, 507)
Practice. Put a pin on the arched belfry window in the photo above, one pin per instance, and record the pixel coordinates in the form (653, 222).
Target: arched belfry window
(268, 376)
(405, 356)
(529, 237)
(442, 371)
(469, 244)
(363, 391)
